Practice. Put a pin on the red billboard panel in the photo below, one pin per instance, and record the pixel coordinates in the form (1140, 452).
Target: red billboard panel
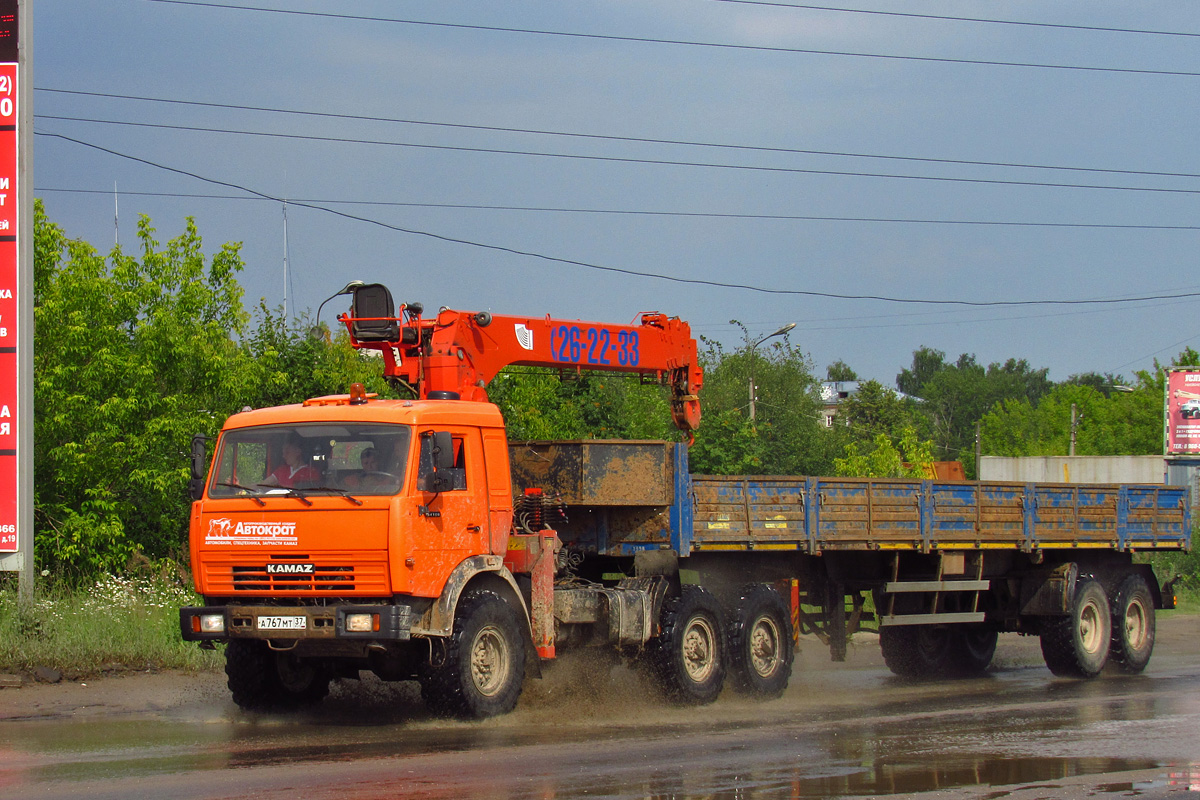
(9, 457)
(1182, 410)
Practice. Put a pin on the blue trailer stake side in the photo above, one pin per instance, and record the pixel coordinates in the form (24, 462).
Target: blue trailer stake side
(938, 568)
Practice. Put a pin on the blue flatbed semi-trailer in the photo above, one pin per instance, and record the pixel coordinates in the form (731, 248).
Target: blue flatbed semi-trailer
(613, 483)
(938, 568)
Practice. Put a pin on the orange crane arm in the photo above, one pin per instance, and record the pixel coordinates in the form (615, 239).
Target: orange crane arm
(460, 351)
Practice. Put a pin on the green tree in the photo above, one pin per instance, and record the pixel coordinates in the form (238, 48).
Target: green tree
(840, 371)
(1113, 416)
(875, 409)
(913, 458)
(289, 361)
(132, 356)
(538, 403)
(785, 438)
(956, 396)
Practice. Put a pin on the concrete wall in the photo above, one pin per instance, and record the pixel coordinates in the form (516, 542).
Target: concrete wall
(1074, 469)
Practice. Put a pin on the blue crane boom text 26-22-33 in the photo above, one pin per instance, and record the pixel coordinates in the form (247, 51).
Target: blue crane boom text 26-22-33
(574, 344)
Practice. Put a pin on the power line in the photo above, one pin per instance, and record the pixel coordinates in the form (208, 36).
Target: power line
(647, 213)
(620, 270)
(947, 18)
(629, 139)
(686, 43)
(625, 159)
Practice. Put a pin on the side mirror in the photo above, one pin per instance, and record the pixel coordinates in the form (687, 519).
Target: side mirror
(443, 451)
(199, 461)
(437, 474)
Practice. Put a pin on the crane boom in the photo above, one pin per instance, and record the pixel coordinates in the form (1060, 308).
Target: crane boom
(461, 351)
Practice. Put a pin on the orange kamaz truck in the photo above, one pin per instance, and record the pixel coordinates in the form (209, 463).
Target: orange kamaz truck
(413, 539)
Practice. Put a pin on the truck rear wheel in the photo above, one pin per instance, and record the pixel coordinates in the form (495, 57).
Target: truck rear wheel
(261, 679)
(1132, 625)
(932, 651)
(688, 657)
(974, 648)
(760, 643)
(917, 651)
(484, 661)
(1077, 644)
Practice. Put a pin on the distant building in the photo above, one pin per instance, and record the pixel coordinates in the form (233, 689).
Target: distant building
(832, 394)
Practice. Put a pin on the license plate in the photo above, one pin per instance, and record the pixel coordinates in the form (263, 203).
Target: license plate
(282, 623)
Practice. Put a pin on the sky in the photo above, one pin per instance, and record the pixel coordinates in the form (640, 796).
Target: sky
(882, 180)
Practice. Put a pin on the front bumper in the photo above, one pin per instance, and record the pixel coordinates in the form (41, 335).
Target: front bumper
(385, 622)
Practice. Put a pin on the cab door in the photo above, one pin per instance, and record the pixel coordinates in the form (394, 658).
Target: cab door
(450, 521)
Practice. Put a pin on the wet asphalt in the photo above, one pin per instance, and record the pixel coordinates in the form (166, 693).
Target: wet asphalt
(591, 729)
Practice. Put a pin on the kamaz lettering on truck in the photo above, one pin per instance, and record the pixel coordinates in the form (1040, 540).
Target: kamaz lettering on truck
(411, 539)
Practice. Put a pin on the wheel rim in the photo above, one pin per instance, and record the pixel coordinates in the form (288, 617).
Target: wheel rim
(1091, 631)
(764, 646)
(489, 660)
(1137, 628)
(294, 674)
(699, 649)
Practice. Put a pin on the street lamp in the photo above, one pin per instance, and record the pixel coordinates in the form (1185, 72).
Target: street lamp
(754, 345)
(349, 288)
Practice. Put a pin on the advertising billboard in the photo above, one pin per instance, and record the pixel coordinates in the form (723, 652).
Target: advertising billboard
(1182, 409)
(10, 326)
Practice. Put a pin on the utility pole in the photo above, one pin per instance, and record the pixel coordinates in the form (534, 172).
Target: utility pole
(978, 446)
(1074, 427)
(753, 359)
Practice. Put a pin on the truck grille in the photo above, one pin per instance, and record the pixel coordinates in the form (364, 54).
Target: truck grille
(333, 574)
(322, 579)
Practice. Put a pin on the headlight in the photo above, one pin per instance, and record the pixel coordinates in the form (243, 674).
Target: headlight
(212, 623)
(361, 623)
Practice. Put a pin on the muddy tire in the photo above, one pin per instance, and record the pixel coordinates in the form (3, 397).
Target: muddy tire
(974, 648)
(688, 659)
(760, 643)
(482, 666)
(919, 651)
(261, 679)
(1077, 644)
(1133, 625)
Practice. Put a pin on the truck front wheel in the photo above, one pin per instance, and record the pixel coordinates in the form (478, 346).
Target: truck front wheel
(688, 657)
(760, 643)
(261, 679)
(1077, 644)
(480, 672)
(1132, 625)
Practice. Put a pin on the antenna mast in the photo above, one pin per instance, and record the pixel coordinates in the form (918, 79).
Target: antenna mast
(285, 260)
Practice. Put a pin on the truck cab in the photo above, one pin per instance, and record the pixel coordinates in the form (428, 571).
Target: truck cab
(335, 530)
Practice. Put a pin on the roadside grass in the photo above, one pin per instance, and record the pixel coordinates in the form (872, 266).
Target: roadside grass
(119, 624)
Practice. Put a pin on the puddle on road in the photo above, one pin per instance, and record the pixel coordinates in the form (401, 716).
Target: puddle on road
(885, 779)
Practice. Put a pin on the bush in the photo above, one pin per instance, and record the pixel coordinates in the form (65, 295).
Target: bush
(117, 624)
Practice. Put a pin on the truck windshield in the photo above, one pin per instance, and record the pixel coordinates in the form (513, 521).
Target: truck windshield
(334, 458)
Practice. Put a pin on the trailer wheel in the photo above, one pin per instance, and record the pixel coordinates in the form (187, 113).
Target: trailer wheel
(1132, 625)
(760, 643)
(483, 665)
(974, 648)
(261, 679)
(688, 656)
(1077, 645)
(918, 651)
